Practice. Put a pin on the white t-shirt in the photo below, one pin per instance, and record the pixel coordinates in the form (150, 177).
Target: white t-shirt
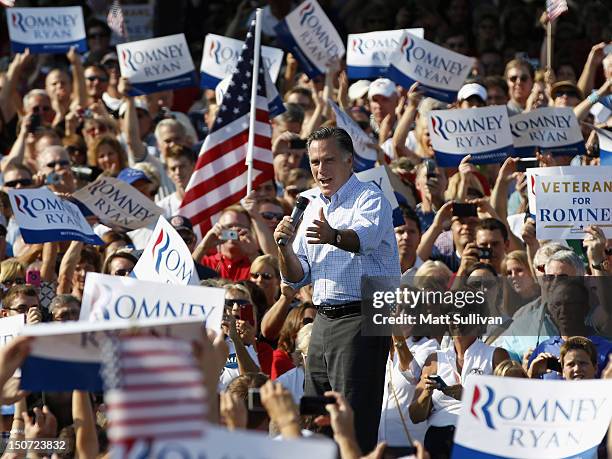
(293, 381)
(231, 371)
(170, 204)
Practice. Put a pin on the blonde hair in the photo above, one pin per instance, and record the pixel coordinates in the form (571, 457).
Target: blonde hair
(432, 274)
(302, 341)
(520, 256)
(510, 369)
(266, 260)
(10, 269)
(239, 288)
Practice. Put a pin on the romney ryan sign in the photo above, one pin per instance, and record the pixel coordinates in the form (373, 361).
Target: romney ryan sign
(156, 64)
(46, 30)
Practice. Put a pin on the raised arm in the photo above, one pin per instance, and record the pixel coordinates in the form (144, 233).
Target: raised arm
(68, 267)
(7, 105)
(428, 239)
(274, 318)
(405, 123)
(84, 426)
(135, 148)
(79, 90)
(586, 82)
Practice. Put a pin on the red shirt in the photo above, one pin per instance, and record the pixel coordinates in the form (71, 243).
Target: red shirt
(281, 363)
(264, 355)
(236, 269)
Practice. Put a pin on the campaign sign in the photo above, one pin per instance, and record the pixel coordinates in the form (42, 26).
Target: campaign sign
(605, 147)
(553, 130)
(156, 64)
(125, 298)
(368, 54)
(380, 177)
(567, 204)
(46, 30)
(482, 132)
(365, 156)
(309, 35)
(220, 443)
(44, 217)
(67, 356)
(10, 327)
(440, 71)
(138, 21)
(118, 204)
(531, 418)
(166, 258)
(220, 57)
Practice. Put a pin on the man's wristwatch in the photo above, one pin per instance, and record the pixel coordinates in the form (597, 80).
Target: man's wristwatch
(337, 238)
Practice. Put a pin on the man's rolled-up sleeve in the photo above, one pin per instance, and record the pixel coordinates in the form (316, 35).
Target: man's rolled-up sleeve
(299, 247)
(372, 214)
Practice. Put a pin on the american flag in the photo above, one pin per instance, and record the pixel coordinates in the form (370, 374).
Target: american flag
(220, 176)
(555, 8)
(154, 391)
(115, 19)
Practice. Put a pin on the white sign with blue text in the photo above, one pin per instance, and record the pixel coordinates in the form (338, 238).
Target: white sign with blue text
(67, 356)
(156, 64)
(125, 298)
(482, 132)
(221, 54)
(46, 30)
(368, 54)
(166, 258)
(440, 71)
(532, 419)
(118, 204)
(365, 156)
(310, 36)
(551, 129)
(44, 217)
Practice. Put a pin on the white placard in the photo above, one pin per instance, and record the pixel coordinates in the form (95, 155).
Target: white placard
(138, 21)
(166, 258)
(10, 327)
(46, 30)
(379, 176)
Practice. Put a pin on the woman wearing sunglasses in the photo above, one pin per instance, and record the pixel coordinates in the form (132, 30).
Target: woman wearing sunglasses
(519, 76)
(265, 273)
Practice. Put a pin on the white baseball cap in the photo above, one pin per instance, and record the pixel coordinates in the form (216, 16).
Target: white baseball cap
(138, 103)
(358, 89)
(382, 87)
(472, 89)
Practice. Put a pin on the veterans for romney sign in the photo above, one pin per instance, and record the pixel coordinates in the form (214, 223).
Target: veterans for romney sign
(552, 130)
(125, 298)
(368, 54)
(365, 156)
(221, 54)
(567, 202)
(440, 71)
(166, 258)
(309, 35)
(532, 419)
(68, 356)
(44, 217)
(46, 30)
(156, 64)
(483, 133)
(118, 204)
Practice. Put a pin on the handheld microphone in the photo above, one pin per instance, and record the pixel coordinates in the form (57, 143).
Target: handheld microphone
(300, 206)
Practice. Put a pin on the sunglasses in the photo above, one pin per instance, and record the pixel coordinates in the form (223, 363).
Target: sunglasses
(22, 182)
(240, 303)
(567, 94)
(41, 108)
(266, 276)
(523, 78)
(93, 78)
(307, 320)
(122, 272)
(60, 163)
(272, 216)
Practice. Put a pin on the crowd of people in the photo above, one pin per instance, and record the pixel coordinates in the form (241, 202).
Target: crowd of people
(293, 309)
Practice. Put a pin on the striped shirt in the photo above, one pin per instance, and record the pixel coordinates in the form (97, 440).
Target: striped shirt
(335, 273)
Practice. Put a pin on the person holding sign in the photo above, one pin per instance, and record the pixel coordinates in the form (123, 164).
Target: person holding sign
(347, 233)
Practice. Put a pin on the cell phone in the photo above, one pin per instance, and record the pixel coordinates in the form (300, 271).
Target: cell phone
(33, 277)
(484, 253)
(297, 144)
(53, 178)
(438, 379)
(313, 405)
(553, 364)
(526, 163)
(229, 235)
(394, 452)
(431, 168)
(35, 122)
(461, 209)
(246, 314)
(254, 401)
(35, 400)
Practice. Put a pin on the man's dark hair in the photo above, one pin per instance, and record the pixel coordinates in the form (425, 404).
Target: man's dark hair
(579, 343)
(97, 66)
(15, 291)
(496, 81)
(409, 214)
(343, 139)
(62, 300)
(240, 386)
(492, 224)
(94, 22)
(294, 114)
(180, 151)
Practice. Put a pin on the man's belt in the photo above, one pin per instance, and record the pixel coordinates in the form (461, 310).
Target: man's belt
(337, 311)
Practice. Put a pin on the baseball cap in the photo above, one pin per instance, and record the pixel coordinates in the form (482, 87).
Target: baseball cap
(138, 103)
(358, 89)
(129, 175)
(179, 223)
(565, 85)
(472, 89)
(109, 57)
(382, 87)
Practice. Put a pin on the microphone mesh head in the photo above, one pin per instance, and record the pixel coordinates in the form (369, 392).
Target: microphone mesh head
(302, 202)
